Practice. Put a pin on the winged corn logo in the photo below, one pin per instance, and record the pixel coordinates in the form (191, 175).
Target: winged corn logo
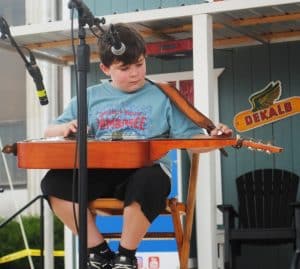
(266, 97)
(266, 108)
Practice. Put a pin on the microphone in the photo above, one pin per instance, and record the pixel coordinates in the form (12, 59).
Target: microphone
(31, 66)
(36, 74)
(4, 29)
(118, 48)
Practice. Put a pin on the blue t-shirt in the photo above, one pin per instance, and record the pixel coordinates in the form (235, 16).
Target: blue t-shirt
(144, 114)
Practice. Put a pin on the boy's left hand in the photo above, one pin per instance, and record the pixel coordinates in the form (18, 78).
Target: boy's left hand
(221, 130)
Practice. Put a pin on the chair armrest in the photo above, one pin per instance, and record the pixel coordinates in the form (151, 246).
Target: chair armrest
(228, 216)
(295, 204)
(229, 209)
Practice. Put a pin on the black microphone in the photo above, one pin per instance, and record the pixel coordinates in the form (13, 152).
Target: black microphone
(31, 66)
(36, 74)
(118, 48)
(4, 29)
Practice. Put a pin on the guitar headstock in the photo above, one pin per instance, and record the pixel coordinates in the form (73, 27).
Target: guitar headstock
(257, 145)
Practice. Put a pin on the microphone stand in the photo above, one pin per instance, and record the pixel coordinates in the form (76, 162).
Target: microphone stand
(83, 66)
(83, 62)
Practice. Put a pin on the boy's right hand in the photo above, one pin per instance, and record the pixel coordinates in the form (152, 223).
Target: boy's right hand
(70, 128)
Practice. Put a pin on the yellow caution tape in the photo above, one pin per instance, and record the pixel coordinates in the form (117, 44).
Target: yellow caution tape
(27, 252)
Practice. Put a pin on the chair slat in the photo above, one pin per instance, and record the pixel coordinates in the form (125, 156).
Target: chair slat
(241, 190)
(259, 198)
(284, 208)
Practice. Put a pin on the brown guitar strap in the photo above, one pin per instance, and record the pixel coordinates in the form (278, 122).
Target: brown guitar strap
(184, 106)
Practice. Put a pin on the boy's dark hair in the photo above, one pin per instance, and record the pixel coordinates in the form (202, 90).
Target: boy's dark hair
(133, 41)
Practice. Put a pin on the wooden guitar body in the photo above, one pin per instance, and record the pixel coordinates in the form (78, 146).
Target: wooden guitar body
(60, 154)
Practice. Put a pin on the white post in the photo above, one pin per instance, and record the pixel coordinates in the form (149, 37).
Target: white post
(206, 189)
(38, 117)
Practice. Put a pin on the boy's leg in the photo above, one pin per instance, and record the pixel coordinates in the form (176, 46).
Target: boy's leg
(64, 211)
(100, 255)
(58, 185)
(135, 226)
(145, 198)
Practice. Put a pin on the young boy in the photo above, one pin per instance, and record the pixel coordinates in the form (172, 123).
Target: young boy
(128, 107)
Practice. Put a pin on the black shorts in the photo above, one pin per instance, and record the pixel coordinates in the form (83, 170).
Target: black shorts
(149, 186)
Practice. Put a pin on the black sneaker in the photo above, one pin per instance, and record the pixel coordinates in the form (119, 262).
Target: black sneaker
(123, 262)
(98, 262)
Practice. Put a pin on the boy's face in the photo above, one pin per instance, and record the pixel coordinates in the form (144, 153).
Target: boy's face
(128, 78)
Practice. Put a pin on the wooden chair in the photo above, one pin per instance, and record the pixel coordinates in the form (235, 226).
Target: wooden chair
(267, 212)
(182, 229)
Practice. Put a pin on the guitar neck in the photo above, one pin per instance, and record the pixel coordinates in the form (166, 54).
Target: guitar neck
(160, 147)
